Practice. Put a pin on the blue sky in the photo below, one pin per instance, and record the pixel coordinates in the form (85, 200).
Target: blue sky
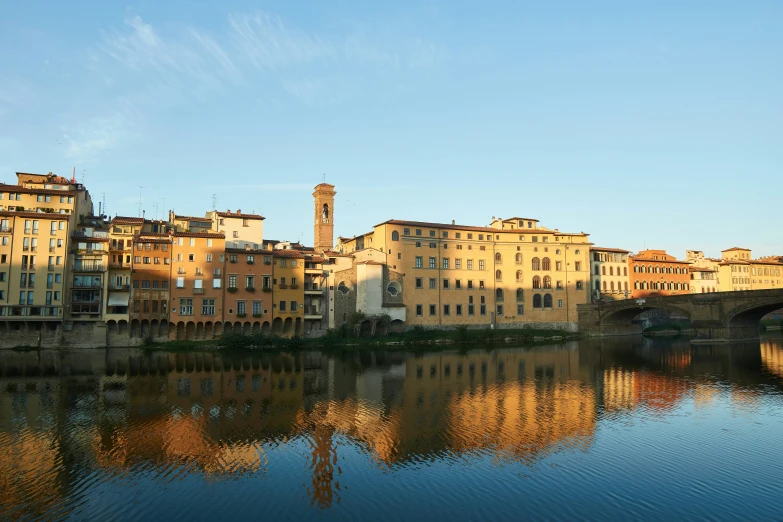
(646, 124)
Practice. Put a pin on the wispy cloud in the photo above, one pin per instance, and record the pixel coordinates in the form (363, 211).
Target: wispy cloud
(193, 56)
(88, 140)
(267, 42)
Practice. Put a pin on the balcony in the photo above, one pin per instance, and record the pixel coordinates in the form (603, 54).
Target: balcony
(119, 288)
(43, 312)
(88, 267)
(293, 287)
(314, 271)
(198, 291)
(50, 268)
(312, 312)
(313, 289)
(6, 230)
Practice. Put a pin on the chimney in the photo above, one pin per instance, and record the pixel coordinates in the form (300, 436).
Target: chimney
(453, 222)
(143, 213)
(239, 211)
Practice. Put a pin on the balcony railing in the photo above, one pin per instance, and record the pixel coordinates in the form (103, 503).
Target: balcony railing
(89, 267)
(50, 267)
(6, 230)
(282, 286)
(120, 288)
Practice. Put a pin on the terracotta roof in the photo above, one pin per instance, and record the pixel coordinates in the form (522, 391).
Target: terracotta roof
(370, 262)
(646, 260)
(618, 250)
(519, 219)
(317, 259)
(193, 218)
(154, 240)
(471, 228)
(38, 215)
(213, 235)
(734, 262)
(289, 253)
(700, 269)
(766, 261)
(128, 220)
(242, 216)
(734, 248)
(250, 251)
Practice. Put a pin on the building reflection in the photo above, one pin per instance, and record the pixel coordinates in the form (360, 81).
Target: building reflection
(220, 416)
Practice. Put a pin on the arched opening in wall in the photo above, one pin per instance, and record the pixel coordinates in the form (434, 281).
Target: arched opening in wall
(238, 328)
(397, 326)
(111, 327)
(518, 259)
(381, 329)
(536, 282)
(218, 330)
(325, 213)
(163, 328)
(546, 264)
(299, 327)
(750, 316)
(395, 236)
(256, 327)
(277, 326)
(498, 275)
(535, 263)
(547, 300)
(498, 258)
(209, 330)
(288, 326)
(145, 329)
(135, 329)
(365, 328)
(180, 331)
(228, 328)
(247, 328)
(154, 325)
(631, 317)
(190, 331)
(499, 294)
(547, 282)
(266, 328)
(519, 275)
(122, 327)
(520, 295)
(199, 331)
(537, 301)
(172, 331)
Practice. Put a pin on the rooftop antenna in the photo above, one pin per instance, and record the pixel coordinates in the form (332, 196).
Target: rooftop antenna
(103, 204)
(324, 178)
(141, 187)
(214, 201)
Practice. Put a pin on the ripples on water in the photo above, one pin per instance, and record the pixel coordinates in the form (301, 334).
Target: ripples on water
(594, 430)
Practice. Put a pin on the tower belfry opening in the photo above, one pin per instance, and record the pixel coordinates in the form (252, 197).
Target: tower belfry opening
(323, 230)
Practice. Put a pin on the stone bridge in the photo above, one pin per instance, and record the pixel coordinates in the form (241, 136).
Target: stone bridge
(719, 315)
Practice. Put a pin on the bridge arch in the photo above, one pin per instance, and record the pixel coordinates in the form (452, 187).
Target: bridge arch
(750, 314)
(619, 317)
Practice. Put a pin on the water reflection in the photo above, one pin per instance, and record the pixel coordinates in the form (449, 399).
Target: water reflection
(69, 421)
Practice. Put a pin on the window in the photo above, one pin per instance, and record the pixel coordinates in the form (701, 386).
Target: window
(445, 263)
(232, 281)
(579, 285)
(537, 301)
(578, 266)
(546, 264)
(433, 263)
(432, 233)
(419, 282)
(470, 284)
(419, 310)
(483, 309)
(458, 309)
(418, 231)
(406, 231)
(536, 283)
(191, 258)
(207, 307)
(418, 261)
(180, 282)
(281, 306)
(547, 301)
(457, 284)
(559, 285)
(458, 264)
(433, 283)
(536, 263)
(520, 295)
(499, 310)
(498, 275)
(499, 294)
(395, 236)
(256, 307)
(481, 264)
(446, 310)
(241, 310)
(445, 284)
(433, 310)
(186, 306)
(471, 309)
(342, 288)
(433, 245)
(470, 264)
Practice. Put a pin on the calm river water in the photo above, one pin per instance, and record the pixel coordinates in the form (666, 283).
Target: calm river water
(615, 429)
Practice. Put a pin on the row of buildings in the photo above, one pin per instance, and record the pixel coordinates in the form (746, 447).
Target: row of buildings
(65, 268)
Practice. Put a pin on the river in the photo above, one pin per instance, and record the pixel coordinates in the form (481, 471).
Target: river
(625, 428)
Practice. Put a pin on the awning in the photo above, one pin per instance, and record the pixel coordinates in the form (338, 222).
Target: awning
(119, 298)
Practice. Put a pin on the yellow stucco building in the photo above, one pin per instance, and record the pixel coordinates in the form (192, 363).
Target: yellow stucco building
(513, 271)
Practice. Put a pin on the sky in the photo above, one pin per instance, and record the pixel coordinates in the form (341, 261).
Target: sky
(645, 124)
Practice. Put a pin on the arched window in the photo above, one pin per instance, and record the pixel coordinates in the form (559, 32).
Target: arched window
(603, 270)
(536, 263)
(641, 269)
(596, 270)
(342, 287)
(604, 286)
(325, 213)
(611, 286)
(547, 300)
(625, 271)
(546, 264)
(498, 275)
(636, 285)
(611, 271)
(536, 282)
(598, 285)
(519, 275)
(395, 236)
(547, 282)
(537, 301)
(518, 259)
(498, 258)
(499, 294)
(520, 295)
(626, 286)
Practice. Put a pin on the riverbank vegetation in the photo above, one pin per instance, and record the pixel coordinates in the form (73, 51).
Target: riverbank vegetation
(346, 338)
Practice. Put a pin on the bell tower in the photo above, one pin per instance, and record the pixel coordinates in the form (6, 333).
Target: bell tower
(323, 230)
